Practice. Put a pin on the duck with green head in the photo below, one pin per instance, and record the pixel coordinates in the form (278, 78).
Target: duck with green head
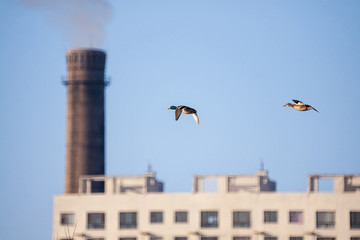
(184, 109)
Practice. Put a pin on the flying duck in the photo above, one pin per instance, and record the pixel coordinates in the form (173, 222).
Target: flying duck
(184, 109)
(300, 106)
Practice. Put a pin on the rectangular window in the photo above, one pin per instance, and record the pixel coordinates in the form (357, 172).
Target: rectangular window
(295, 217)
(67, 218)
(241, 219)
(155, 238)
(128, 220)
(180, 238)
(156, 217)
(180, 217)
(296, 238)
(270, 238)
(354, 219)
(95, 238)
(209, 238)
(355, 238)
(96, 221)
(325, 238)
(270, 216)
(127, 238)
(209, 219)
(241, 238)
(325, 219)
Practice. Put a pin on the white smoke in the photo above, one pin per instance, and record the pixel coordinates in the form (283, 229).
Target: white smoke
(82, 22)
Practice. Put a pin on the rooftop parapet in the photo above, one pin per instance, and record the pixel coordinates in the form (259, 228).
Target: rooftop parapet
(122, 185)
(259, 182)
(341, 183)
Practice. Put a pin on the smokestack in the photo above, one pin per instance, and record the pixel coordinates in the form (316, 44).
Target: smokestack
(85, 141)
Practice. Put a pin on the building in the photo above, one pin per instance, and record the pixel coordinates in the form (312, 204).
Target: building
(221, 207)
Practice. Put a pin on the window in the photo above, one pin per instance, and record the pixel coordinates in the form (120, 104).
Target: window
(209, 219)
(296, 238)
(128, 220)
(156, 217)
(209, 238)
(270, 217)
(95, 238)
(67, 219)
(241, 219)
(270, 238)
(325, 238)
(355, 238)
(127, 238)
(354, 219)
(180, 217)
(96, 221)
(295, 217)
(155, 238)
(180, 238)
(241, 238)
(325, 219)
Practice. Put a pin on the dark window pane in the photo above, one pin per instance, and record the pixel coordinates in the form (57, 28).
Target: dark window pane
(128, 220)
(241, 219)
(270, 216)
(209, 219)
(67, 219)
(156, 217)
(241, 238)
(325, 219)
(155, 238)
(180, 238)
(96, 220)
(181, 217)
(354, 219)
(295, 217)
(209, 238)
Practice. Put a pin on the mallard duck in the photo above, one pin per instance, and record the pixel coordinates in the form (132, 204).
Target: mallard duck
(300, 106)
(184, 109)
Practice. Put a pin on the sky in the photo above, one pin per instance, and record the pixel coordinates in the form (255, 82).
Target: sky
(236, 62)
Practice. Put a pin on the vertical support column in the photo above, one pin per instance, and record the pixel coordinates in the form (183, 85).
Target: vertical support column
(313, 184)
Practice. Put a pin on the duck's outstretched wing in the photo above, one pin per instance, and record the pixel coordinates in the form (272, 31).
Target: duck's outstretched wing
(298, 102)
(177, 113)
(196, 117)
(312, 108)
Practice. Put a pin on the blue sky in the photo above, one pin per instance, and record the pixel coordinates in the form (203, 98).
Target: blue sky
(236, 62)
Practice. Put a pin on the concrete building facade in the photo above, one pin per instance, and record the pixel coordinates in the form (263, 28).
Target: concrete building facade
(220, 207)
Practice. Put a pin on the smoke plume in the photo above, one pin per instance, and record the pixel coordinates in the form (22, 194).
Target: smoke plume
(81, 21)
